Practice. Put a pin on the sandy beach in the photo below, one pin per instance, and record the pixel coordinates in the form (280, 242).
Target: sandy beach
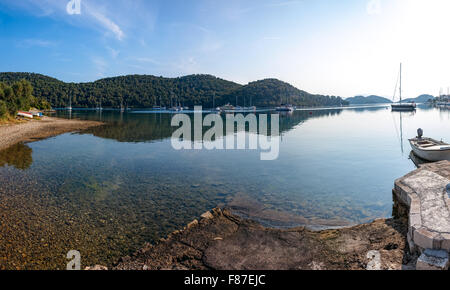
(34, 130)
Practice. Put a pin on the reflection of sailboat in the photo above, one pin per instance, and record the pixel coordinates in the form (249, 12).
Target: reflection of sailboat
(402, 106)
(401, 128)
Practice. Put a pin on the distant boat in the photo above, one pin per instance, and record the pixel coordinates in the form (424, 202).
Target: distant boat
(177, 107)
(430, 149)
(285, 108)
(227, 108)
(443, 104)
(402, 106)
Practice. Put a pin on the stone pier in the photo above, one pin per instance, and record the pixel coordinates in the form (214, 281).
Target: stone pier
(423, 198)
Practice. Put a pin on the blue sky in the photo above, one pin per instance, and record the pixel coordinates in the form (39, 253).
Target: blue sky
(342, 48)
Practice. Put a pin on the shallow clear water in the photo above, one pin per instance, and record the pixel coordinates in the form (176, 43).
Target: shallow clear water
(108, 190)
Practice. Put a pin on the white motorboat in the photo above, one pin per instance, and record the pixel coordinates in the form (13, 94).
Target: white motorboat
(228, 108)
(430, 149)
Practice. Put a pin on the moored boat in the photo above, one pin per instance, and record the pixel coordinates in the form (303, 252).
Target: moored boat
(285, 108)
(430, 149)
(228, 108)
(402, 106)
(25, 114)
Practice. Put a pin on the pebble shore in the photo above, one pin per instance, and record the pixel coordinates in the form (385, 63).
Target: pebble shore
(33, 130)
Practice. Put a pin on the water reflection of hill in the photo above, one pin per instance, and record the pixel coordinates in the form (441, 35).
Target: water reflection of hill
(153, 127)
(19, 156)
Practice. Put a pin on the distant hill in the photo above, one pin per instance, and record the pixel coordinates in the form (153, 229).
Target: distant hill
(140, 91)
(361, 100)
(420, 99)
(273, 92)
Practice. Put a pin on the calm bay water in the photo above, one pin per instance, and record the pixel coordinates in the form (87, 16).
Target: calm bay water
(108, 190)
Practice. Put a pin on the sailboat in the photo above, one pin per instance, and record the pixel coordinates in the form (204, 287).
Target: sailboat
(284, 107)
(177, 106)
(237, 107)
(252, 108)
(160, 107)
(121, 107)
(99, 106)
(69, 108)
(215, 109)
(402, 106)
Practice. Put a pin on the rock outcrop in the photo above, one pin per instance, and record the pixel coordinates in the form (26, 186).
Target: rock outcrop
(221, 240)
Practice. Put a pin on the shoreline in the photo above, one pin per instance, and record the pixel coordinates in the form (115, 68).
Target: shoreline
(220, 240)
(35, 130)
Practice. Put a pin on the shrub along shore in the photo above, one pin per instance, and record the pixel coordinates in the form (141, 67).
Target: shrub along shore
(18, 96)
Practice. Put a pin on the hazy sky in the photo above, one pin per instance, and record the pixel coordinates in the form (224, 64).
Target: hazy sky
(344, 48)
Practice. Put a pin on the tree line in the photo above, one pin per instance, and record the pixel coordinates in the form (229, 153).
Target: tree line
(17, 96)
(144, 91)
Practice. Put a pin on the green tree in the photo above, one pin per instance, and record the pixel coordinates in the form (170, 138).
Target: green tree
(3, 109)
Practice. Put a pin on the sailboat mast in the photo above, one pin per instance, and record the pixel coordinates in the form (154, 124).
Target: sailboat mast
(400, 83)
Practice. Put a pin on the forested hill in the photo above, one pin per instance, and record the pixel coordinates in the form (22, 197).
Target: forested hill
(147, 91)
(273, 92)
(361, 100)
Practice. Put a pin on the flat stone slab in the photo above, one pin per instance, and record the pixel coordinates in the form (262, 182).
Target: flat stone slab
(223, 241)
(424, 192)
(433, 260)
